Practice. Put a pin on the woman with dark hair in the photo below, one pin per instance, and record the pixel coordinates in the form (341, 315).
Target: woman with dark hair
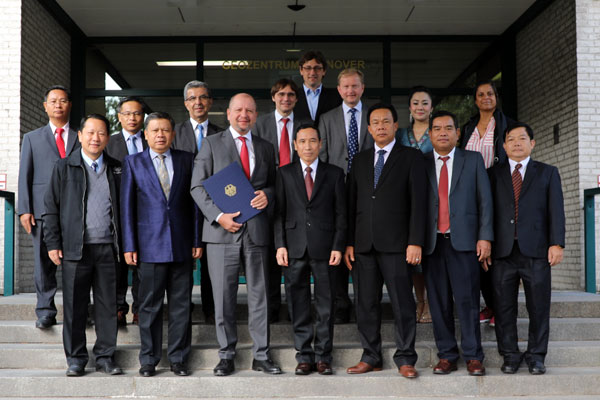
(417, 136)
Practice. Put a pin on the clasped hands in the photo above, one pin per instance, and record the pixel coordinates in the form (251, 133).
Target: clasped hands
(260, 202)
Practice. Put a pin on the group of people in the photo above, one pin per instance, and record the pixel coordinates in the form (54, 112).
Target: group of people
(340, 190)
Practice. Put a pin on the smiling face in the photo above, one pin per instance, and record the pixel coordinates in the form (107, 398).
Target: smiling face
(93, 137)
(444, 134)
(518, 145)
(485, 98)
(312, 72)
(159, 134)
(351, 89)
(285, 100)
(58, 106)
(382, 126)
(308, 145)
(241, 113)
(131, 116)
(198, 103)
(420, 106)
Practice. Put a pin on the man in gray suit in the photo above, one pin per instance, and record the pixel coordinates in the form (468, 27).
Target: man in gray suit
(344, 134)
(40, 149)
(230, 244)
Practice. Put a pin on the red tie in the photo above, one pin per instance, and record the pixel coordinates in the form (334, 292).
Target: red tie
(284, 144)
(443, 209)
(308, 182)
(244, 157)
(517, 182)
(60, 143)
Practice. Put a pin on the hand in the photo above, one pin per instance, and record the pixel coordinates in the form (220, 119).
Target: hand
(27, 220)
(56, 256)
(349, 257)
(282, 257)
(131, 257)
(413, 254)
(227, 222)
(484, 252)
(335, 258)
(260, 201)
(197, 252)
(555, 255)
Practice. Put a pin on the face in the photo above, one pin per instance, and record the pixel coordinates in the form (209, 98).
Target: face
(517, 144)
(93, 137)
(420, 106)
(444, 134)
(57, 105)
(312, 72)
(159, 135)
(285, 100)
(241, 113)
(351, 89)
(382, 126)
(198, 103)
(485, 98)
(307, 144)
(131, 116)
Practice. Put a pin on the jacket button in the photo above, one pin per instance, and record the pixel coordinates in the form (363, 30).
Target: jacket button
(373, 197)
(512, 221)
(308, 224)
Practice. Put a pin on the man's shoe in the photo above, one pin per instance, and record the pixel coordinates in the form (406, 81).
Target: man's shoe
(362, 368)
(273, 318)
(224, 368)
(444, 367)
(408, 371)
(267, 366)
(537, 368)
(304, 368)
(475, 368)
(180, 369)
(341, 317)
(136, 319)
(108, 367)
(121, 318)
(324, 368)
(210, 319)
(45, 322)
(147, 370)
(509, 367)
(75, 370)
(485, 315)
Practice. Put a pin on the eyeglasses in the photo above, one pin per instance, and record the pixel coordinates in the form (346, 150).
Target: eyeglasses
(128, 114)
(54, 102)
(192, 99)
(316, 68)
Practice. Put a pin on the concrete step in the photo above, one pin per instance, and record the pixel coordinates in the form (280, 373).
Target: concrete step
(563, 383)
(51, 356)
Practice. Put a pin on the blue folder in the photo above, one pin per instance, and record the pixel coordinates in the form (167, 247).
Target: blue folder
(231, 191)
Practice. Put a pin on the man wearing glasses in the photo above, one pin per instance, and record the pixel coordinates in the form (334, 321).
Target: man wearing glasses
(314, 99)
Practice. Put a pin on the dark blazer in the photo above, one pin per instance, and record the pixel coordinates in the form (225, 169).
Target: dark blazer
(117, 146)
(38, 156)
(185, 138)
(393, 215)
(266, 128)
(318, 225)
(328, 100)
(470, 201)
(502, 122)
(160, 230)
(541, 221)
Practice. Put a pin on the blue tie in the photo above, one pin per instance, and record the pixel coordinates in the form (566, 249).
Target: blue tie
(378, 167)
(132, 148)
(95, 166)
(352, 137)
(200, 130)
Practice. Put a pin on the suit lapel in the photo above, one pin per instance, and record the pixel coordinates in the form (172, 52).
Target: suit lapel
(529, 176)
(431, 174)
(231, 147)
(51, 139)
(320, 177)
(457, 166)
(189, 137)
(363, 128)
(506, 179)
(299, 178)
(177, 172)
(389, 163)
(71, 141)
(339, 116)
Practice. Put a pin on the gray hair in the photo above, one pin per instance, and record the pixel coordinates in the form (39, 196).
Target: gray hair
(195, 84)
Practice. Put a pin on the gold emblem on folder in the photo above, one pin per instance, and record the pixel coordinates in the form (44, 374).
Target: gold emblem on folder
(230, 190)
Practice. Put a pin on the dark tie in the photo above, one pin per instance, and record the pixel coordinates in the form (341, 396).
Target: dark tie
(284, 144)
(200, 129)
(95, 166)
(443, 209)
(378, 167)
(244, 157)
(60, 143)
(308, 182)
(352, 137)
(517, 182)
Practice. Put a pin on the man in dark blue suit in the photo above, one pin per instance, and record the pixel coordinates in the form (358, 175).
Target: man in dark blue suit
(459, 235)
(160, 225)
(529, 220)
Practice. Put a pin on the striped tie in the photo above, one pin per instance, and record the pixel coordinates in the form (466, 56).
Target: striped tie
(517, 182)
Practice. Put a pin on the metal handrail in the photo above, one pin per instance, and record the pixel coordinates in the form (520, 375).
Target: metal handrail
(589, 217)
(9, 242)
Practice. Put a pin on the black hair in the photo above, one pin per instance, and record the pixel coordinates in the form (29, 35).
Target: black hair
(516, 124)
(419, 89)
(313, 55)
(306, 125)
(95, 116)
(486, 82)
(443, 113)
(132, 98)
(379, 106)
(159, 115)
(56, 87)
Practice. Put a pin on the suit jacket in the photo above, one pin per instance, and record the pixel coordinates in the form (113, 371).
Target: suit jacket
(266, 128)
(185, 137)
(38, 156)
(469, 198)
(393, 215)
(160, 230)
(541, 221)
(328, 100)
(317, 225)
(217, 152)
(334, 149)
(117, 146)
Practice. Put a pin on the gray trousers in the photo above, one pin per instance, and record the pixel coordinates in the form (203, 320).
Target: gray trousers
(44, 274)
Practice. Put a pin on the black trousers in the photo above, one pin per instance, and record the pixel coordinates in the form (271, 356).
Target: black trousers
(206, 293)
(175, 278)
(371, 271)
(274, 289)
(123, 284)
(343, 304)
(487, 288)
(297, 290)
(452, 277)
(97, 269)
(44, 273)
(536, 276)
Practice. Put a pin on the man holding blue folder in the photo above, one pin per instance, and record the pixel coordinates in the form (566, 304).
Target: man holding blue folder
(230, 244)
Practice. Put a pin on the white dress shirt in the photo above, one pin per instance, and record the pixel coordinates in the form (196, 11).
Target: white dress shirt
(238, 145)
(195, 127)
(312, 99)
(388, 149)
(523, 163)
(438, 168)
(348, 115)
(138, 143)
(290, 129)
(65, 133)
(313, 166)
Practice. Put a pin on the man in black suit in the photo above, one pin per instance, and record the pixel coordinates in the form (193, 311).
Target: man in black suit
(188, 137)
(459, 235)
(310, 234)
(314, 99)
(130, 111)
(386, 231)
(529, 221)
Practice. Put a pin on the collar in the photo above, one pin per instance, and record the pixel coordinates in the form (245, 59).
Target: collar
(53, 128)
(313, 166)
(347, 108)
(89, 161)
(196, 123)
(388, 147)
(126, 134)
(278, 116)
(523, 163)
(316, 92)
(236, 135)
(436, 155)
(154, 154)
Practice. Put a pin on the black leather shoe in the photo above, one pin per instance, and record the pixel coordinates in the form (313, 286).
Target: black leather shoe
(75, 370)
(224, 368)
(180, 369)
(108, 367)
(147, 370)
(537, 368)
(341, 317)
(510, 366)
(266, 366)
(45, 322)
